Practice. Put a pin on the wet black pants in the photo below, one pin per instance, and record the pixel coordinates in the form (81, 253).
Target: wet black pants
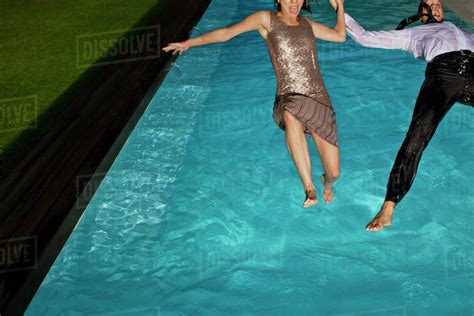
(449, 78)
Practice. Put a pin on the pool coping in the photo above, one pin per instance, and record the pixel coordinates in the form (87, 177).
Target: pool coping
(462, 10)
(39, 198)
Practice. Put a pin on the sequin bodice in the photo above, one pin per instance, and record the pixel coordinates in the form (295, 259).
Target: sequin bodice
(294, 57)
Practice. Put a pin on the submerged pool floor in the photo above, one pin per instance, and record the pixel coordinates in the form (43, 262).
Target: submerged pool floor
(201, 211)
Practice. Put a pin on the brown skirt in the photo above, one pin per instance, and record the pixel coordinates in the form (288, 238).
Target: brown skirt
(315, 116)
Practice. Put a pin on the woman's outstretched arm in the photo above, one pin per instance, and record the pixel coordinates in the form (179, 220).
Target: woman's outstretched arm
(336, 34)
(258, 21)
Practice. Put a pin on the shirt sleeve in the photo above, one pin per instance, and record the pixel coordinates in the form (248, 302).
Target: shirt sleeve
(468, 42)
(400, 39)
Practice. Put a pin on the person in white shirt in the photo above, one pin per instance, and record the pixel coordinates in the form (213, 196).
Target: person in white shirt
(449, 78)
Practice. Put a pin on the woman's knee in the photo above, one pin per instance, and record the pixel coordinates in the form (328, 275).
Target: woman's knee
(333, 172)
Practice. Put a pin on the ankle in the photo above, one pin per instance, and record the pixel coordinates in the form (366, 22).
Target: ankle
(329, 179)
(388, 206)
(309, 187)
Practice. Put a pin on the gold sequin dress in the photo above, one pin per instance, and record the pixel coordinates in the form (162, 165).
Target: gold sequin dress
(300, 87)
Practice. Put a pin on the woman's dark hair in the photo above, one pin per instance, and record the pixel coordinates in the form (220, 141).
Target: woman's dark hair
(304, 7)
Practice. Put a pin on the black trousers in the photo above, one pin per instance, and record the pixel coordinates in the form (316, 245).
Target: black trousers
(449, 78)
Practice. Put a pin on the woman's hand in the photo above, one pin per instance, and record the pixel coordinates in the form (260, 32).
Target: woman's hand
(177, 47)
(336, 3)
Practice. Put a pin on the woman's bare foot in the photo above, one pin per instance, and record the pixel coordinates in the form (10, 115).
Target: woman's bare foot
(311, 198)
(383, 218)
(328, 194)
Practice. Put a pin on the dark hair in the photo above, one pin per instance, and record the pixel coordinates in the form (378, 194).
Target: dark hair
(304, 7)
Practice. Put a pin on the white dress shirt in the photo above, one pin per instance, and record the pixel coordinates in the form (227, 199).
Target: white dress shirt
(424, 41)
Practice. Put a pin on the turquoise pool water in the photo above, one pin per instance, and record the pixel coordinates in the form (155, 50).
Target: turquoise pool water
(201, 212)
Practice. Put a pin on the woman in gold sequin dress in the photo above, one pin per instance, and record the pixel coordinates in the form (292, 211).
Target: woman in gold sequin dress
(302, 105)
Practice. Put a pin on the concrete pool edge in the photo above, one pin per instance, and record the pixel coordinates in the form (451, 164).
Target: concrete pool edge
(18, 288)
(462, 10)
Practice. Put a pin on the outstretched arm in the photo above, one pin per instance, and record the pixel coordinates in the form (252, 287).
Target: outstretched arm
(258, 21)
(336, 34)
(380, 39)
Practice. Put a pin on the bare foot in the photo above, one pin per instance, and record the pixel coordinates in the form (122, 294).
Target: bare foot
(311, 198)
(383, 218)
(328, 194)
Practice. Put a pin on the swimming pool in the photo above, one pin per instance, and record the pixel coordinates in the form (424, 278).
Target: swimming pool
(201, 211)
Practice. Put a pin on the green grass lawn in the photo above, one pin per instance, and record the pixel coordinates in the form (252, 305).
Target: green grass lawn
(38, 60)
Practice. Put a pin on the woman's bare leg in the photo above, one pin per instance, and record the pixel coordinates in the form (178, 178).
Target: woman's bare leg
(298, 148)
(329, 155)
